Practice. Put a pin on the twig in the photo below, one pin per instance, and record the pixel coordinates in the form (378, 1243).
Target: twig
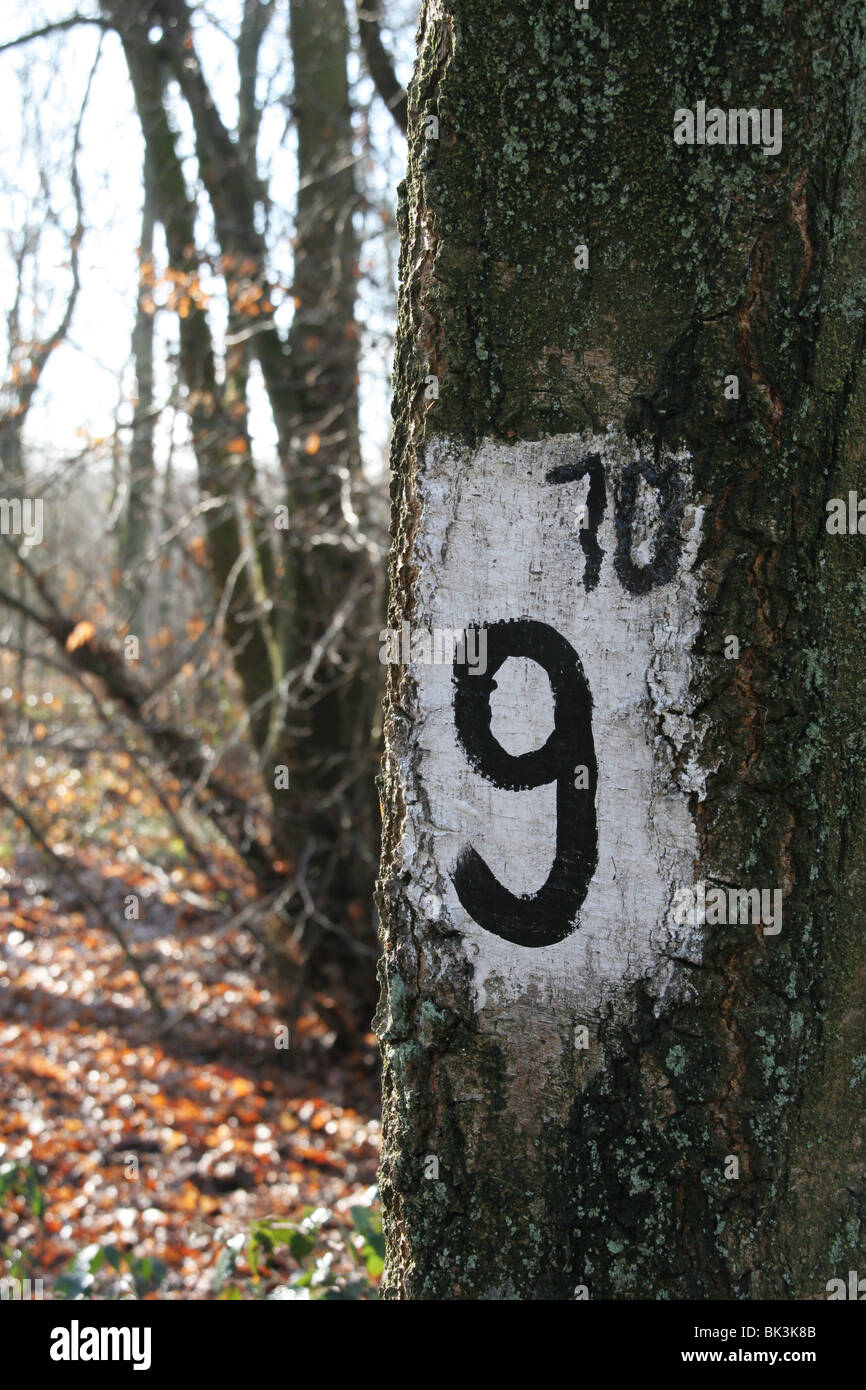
(379, 63)
(58, 26)
(92, 902)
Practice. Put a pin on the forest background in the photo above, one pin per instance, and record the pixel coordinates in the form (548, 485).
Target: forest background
(197, 302)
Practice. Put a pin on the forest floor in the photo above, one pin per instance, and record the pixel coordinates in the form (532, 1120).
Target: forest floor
(162, 1147)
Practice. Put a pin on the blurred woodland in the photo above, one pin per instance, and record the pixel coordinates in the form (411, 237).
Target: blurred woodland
(194, 521)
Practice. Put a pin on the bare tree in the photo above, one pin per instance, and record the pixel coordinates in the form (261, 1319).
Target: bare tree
(292, 552)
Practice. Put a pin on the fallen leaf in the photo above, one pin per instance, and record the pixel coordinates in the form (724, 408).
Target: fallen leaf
(82, 632)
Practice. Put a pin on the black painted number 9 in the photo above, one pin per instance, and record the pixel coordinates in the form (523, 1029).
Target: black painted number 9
(547, 916)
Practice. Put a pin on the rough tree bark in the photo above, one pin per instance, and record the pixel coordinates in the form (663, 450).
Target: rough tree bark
(329, 566)
(633, 447)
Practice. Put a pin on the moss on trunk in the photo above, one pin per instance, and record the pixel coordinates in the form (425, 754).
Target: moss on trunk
(606, 1168)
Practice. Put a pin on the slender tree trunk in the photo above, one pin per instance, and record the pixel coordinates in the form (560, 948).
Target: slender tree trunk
(332, 802)
(217, 409)
(136, 531)
(611, 1070)
(12, 472)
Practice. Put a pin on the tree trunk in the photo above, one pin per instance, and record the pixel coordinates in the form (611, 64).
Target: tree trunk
(608, 1072)
(136, 529)
(332, 803)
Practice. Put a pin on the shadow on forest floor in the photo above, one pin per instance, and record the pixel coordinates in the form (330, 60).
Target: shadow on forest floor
(164, 1144)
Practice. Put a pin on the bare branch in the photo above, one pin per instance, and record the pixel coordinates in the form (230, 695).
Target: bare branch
(254, 25)
(56, 27)
(84, 892)
(381, 69)
(183, 753)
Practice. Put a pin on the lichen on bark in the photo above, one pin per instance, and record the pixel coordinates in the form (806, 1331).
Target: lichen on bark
(606, 1169)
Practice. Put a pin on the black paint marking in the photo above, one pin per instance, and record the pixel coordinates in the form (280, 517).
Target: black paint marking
(668, 541)
(589, 466)
(548, 916)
